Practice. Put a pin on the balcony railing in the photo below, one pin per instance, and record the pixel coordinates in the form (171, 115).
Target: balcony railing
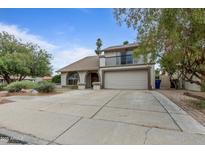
(121, 60)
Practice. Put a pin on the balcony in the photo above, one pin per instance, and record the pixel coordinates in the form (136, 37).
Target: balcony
(120, 60)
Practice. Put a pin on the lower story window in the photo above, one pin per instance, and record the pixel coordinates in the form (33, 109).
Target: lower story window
(73, 79)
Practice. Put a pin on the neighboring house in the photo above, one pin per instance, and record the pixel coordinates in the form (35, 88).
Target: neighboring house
(192, 86)
(165, 81)
(115, 68)
(45, 78)
(36, 79)
(166, 84)
(1, 80)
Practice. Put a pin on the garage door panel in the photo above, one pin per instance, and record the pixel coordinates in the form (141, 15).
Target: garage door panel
(136, 79)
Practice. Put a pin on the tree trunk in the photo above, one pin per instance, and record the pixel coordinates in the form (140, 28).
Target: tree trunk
(22, 77)
(172, 81)
(7, 78)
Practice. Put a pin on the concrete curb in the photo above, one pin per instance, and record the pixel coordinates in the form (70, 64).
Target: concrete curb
(183, 120)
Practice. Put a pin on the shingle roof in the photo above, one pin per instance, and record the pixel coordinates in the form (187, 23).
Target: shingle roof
(84, 64)
(127, 46)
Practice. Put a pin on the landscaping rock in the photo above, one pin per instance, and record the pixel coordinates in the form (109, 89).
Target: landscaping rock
(34, 91)
(3, 141)
(26, 90)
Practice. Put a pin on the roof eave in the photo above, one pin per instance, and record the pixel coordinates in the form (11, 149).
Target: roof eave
(119, 48)
(65, 71)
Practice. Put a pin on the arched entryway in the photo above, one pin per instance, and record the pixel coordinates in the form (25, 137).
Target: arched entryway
(90, 78)
(73, 78)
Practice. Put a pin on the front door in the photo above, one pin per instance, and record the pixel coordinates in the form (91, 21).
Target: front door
(91, 77)
(94, 78)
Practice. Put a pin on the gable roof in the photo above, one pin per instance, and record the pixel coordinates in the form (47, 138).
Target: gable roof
(84, 64)
(121, 47)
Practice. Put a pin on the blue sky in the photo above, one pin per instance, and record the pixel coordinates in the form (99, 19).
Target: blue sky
(69, 34)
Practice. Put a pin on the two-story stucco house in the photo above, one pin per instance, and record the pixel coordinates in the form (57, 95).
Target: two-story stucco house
(115, 68)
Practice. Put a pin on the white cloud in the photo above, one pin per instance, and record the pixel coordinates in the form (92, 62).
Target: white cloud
(62, 54)
(65, 57)
(26, 36)
(84, 10)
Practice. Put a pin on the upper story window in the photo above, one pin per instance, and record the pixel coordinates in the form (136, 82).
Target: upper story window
(126, 57)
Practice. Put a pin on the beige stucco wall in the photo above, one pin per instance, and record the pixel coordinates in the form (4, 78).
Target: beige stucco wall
(115, 53)
(152, 71)
(63, 79)
(192, 86)
(82, 75)
(102, 61)
(82, 82)
(165, 81)
(110, 54)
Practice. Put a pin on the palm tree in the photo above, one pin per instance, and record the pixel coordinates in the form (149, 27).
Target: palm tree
(99, 45)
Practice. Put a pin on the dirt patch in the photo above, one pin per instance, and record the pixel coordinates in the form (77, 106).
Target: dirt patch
(187, 103)
(3, 93)
(196, 95)
(4, 101)
(30, 94)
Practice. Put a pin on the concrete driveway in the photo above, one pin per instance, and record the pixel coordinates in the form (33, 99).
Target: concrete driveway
(99, 117)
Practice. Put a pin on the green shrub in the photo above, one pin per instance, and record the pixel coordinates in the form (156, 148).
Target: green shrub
(56, 79)
(203, 87)
(18, 85)
(202, 104)
(2, 86)
(45, 87)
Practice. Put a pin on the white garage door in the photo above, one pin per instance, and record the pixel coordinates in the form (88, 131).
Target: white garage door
(135, 79)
